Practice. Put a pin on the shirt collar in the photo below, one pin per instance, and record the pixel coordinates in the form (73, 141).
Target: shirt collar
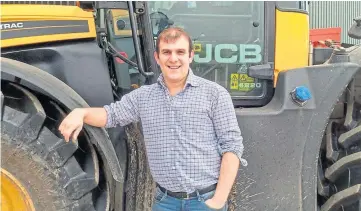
(191, 79)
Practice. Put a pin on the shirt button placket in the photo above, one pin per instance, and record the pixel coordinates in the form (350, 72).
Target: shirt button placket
(172, 125)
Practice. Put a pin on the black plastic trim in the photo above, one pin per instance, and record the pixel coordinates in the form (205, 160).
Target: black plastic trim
(81, 65)
(39, 28)
(46, 31)
(32, 24)
(282, 140)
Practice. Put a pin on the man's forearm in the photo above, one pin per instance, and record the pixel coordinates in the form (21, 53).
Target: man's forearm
(96, 117)
(228, 173)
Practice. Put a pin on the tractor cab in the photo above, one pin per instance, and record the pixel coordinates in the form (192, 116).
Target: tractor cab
(234, 43)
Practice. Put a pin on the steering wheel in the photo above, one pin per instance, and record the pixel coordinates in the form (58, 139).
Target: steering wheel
(160, 21)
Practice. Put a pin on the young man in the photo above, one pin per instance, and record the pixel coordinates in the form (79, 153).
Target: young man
(193, 141)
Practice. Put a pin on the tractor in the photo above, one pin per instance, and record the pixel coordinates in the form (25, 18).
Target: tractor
(300, 121)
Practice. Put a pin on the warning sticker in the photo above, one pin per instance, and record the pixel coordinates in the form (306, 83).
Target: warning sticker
(246, 78)
(197, 47)
(234, 81)
(246, 83)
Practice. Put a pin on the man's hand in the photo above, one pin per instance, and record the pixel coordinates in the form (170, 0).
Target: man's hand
(72, 124)
(215, 204)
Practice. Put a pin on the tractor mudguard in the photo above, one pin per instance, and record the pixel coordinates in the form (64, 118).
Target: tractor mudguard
(39, 80)
(81, 65)
(282, 140)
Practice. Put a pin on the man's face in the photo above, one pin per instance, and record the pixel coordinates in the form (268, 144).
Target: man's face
(174, 59)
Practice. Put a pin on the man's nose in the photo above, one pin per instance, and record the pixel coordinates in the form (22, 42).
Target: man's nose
(173, 57)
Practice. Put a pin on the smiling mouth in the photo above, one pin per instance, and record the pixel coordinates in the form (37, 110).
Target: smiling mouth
(174, 67)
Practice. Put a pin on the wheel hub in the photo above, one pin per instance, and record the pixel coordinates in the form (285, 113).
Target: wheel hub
(14, 196)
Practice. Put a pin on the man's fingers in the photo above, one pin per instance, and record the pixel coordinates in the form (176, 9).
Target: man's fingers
(67, 131)
(74, 136)
(63, 127)
(76, 133)
(70, 126)
(66, 137)
(64, 122)
(70, 132)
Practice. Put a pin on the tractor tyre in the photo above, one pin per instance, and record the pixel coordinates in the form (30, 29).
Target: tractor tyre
(140, 185)
(38, 165)
(339, 163)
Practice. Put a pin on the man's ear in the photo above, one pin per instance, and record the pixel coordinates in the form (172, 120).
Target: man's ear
(191, 55)
(156, 57)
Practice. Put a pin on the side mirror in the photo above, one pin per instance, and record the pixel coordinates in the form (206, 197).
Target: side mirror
(355, 30)
(262, 71)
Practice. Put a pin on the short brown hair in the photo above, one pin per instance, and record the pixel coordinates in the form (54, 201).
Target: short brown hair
(172, 34)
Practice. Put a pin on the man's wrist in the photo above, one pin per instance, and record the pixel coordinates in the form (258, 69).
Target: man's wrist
(220, 199)
(82, 111)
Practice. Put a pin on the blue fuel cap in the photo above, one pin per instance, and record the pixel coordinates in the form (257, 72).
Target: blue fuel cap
(301, 94)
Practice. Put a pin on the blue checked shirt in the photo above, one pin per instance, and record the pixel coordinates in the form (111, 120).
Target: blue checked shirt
(185, 135)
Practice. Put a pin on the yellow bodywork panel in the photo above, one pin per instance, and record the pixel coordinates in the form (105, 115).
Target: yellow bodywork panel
(292, 41)
(30, 24)
(123, 15)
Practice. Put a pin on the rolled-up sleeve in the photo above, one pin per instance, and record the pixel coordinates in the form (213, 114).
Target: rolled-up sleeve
(124, 111)
(226, 126)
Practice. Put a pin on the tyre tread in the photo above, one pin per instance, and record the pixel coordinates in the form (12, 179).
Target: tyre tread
(56, 156)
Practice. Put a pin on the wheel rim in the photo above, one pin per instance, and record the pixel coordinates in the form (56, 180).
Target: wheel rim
(13, 194)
